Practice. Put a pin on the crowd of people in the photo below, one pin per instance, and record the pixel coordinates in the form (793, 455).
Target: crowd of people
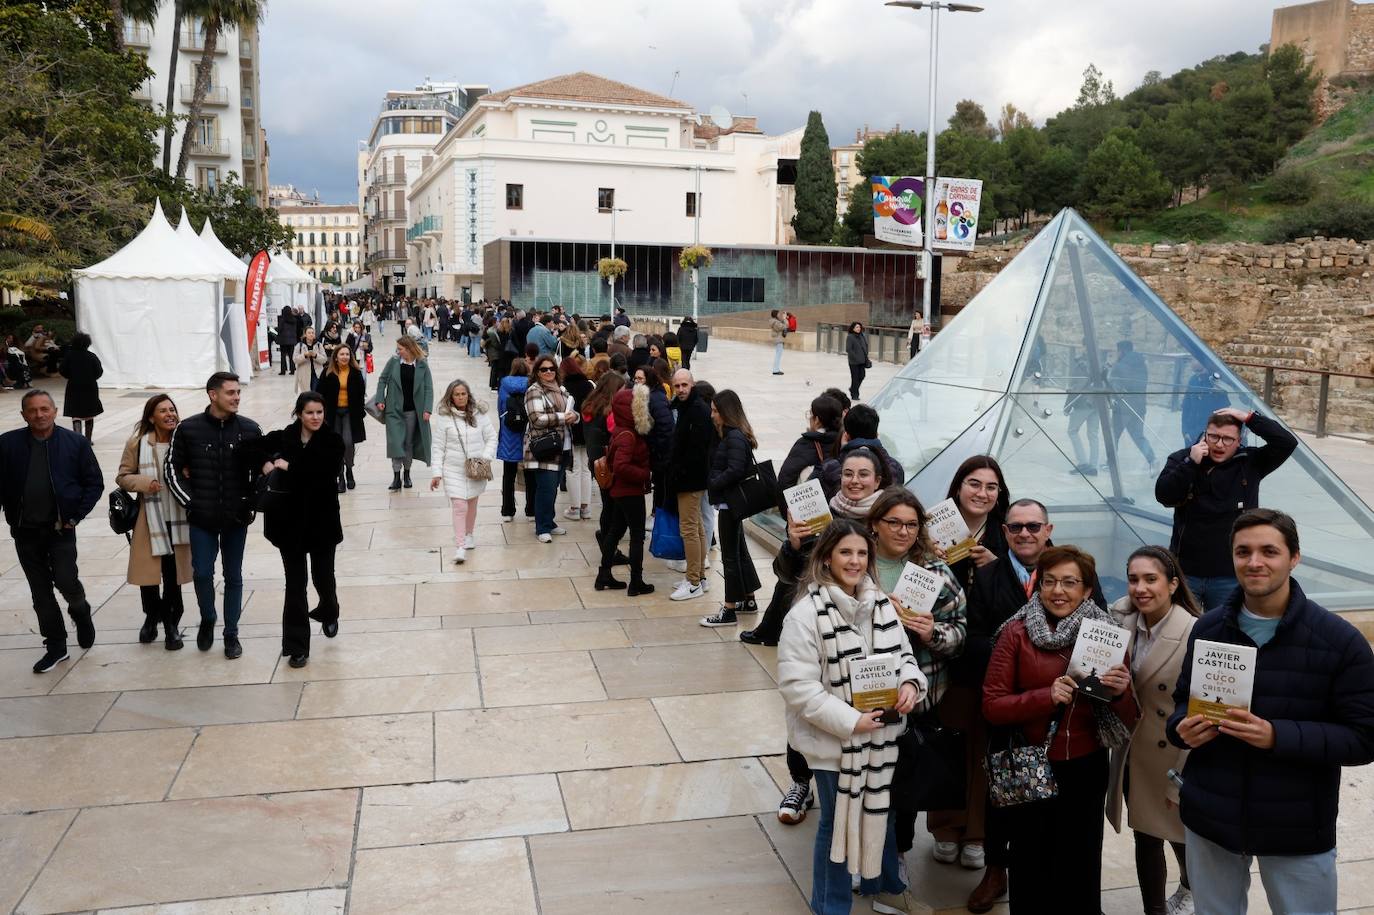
(980, 677)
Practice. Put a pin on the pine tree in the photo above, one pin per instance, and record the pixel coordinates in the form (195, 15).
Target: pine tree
(816, 194)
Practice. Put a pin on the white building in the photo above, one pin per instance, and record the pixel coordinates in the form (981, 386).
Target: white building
(581, 157)
(229, 137)
(401, 143)
(328, 242)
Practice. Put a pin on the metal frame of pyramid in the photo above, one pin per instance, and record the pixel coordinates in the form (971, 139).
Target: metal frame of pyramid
(1032, 371)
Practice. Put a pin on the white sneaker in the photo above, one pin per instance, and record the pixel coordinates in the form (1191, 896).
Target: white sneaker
(507, 519)
(586, 514)
(529, 518)
(572, 514)
(686, 591)
(972, 856)
(545, 538)
(946, 852)
(461, 556)
(1181, 903)
(469, 543)
(677, 565)
(558, 531)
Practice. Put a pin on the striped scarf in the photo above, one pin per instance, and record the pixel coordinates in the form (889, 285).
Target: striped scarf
(160, 514)
(867, 760)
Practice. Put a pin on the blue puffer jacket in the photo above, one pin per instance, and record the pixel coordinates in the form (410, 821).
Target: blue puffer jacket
(76, 481)
(1314, 681)
(511, 445)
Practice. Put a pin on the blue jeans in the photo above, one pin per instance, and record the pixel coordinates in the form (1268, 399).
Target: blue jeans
(831, 890)
(1211, 591)
(474, 346)
(428, 332)
(1294, 884)
(545, 495)
(205, 546)
(777, 356)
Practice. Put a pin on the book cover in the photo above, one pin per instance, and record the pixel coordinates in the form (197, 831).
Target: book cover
(806, 503)
(948, 531)
(917, 590)
(873, 684)
(1223, 677)
(1100, 647)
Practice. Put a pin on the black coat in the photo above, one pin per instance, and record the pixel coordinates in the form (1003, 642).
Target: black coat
(1314, 682)
(579, 387)
(209, 472)
(691, 448)
(76, 480)
(731, 461)
(687, 335)
(660, 437)
(830, 471)
(811, 449)
(286, 329)
(1207, 498)
(328, 388)
(638, 356)
(310, 513)
(82, 368)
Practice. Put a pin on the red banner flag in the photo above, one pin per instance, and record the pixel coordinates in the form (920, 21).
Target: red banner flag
(254, 289)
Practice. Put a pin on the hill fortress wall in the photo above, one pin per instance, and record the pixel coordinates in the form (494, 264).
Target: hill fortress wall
(1337, 35)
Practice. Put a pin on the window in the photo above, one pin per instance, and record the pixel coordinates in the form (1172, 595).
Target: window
(734, 289)
(207, 177)
(348, 277)
(312, 273)
(312, 220)
(206, 132)
(605, 199)
(844, 158)
(336, 234)
(348, 256)
(336, 257)
(312, 238)
(348, 238)
(515, 196)
(691, 204)
(312, 260)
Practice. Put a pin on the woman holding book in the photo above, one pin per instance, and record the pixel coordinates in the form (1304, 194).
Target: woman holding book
(979, 491)
(1159, 609)
(842, 614)
(1056, 844)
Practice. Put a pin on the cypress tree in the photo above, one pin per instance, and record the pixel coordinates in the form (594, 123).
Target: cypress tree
(816, 194)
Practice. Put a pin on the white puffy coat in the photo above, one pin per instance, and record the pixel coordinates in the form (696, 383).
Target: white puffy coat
(451, 435)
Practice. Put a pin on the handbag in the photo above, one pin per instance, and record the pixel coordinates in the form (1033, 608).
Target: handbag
(371, 366)
(935, 756)
(755, 493)
(666, 540)
(1021, 774)
(270, 492)
(124, 509)
(601, 469)
(546, 445)
(477, 468)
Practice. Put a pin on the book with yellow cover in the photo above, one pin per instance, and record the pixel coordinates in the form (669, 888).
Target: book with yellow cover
(873, 684)
(1223, 677)
(948, 531)
(916, 591)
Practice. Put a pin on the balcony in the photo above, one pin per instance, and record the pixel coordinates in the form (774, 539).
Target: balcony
(423, 103)
(386, 214)
(428, 226)
(143, 93)
(137, 36)
(391, 180)
(245, 49)
(195, 41)
(217, 96)
(250, 151)
(214, 149)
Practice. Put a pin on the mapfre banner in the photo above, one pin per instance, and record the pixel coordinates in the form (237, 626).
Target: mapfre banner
(254, 289)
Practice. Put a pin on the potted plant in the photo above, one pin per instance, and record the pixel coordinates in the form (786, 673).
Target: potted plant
(611, 268)
(694, 256)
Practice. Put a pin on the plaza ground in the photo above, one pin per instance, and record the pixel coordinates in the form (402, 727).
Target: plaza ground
(497, 737)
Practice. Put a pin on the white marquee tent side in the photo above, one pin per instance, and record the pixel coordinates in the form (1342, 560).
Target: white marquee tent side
(153, 309)
(234, 326)
(288, 284)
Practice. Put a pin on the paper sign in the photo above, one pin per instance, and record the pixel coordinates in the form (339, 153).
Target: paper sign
(948, 531)
(1223, 678)
(898, 203)
(806, 503)
(917, 590)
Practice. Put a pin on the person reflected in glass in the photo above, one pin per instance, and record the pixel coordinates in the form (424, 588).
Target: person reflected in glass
(1201, 398)
(1081, 407)
(1129, 379)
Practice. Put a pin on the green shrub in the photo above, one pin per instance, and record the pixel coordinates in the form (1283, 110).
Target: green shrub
(1290, 185)
(1191, 224)
(1330, 217)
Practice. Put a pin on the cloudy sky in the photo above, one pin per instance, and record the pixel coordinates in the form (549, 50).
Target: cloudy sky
(327, 63)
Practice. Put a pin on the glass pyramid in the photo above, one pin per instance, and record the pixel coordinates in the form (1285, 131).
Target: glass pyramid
(1024, 374)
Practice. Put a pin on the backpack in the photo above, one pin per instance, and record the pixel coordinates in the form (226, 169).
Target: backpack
(791, 323)
(515, 419)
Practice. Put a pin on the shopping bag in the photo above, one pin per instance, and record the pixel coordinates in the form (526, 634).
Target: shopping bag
(666, 540)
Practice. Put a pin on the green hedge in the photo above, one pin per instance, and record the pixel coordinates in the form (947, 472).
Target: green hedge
(1330, 217)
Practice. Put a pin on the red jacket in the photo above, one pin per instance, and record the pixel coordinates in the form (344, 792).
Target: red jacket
(1017, 693)
(627, 452)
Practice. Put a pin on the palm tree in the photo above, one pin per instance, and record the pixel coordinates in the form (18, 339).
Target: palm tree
(144, 11)
(216, 16)
(178, 14)
(21, 267)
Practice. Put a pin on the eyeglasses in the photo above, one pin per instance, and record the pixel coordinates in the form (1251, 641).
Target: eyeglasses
(896, 526)
(1214, 439)
(1030, 527)
(546, 368)
(1068, 584)
(864, 474)
(980, 486)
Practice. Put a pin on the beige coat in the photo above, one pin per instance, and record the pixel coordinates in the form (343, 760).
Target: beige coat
(777, 330)
(305, 357)
(1149, 753)
(144, 567)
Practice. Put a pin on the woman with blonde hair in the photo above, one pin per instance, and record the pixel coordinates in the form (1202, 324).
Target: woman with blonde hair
(344, 391)
(160, 545)
(407, 385)
(465, 435)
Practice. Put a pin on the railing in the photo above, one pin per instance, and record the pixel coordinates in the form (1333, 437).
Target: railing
(422, 103)
(215, 95)
(194, 40)
(385, 254)
(246, 48)
(425, 226)
(389, 181)
(217, 148)
(1324, 393)
(137, 36)
(250, 151)
(885, 343)
(143, 92)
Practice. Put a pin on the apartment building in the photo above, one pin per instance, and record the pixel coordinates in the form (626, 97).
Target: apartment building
(329, 240)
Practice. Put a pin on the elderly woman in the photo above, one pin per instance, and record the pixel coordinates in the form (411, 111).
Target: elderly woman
(1056, 844)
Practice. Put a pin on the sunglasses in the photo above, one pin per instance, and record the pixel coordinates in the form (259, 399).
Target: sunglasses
(1032, 527)
(547, 368)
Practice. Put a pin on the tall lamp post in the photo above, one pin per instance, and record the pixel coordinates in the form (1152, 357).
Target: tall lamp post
(696, 219)
(927, 249)
(614, 210)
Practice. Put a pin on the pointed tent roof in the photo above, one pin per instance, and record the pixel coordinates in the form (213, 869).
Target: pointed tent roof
(587, 87)
(222, 254)
(157, 253)
(282, 268)
(1036, 353)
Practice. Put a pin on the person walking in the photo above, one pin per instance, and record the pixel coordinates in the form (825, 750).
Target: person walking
(286, 338)
(579, 473)
(302, 461)
(345, 394)
(49, 481)
(1159, 611)
(310, 361)
(359, 341)
(627, 453)
(548, 440)
(160, 543)
(688, 336)
(407, 385)
(777, 334)
(1265, 782)
(510, 448)
(731, 461)
(208, 472)
(81, 402)
(464, 447)
(1209, 485)
(856, 353)
(1129, 380)
(596, 433)
(689, 467)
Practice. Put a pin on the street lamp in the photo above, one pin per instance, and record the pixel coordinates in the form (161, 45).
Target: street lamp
(696, 220)
(927, 250)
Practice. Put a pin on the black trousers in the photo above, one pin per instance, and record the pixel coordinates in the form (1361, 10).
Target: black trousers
(627, 514)
(1153, 873)
(1056, 845)
(163, 605)
(856, 378)
(658, 475)
(295, 618)
(48, 558)
(770, 627)
(741, 578)
(603, 523)
(286, 367)
(508, 471)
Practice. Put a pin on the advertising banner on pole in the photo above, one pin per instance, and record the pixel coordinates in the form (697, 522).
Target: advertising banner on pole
(898, 203)
(254, 288)
(957, 202)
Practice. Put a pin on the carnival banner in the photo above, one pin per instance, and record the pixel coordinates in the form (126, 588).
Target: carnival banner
(957, 202)
(254, 287)
(897, 206)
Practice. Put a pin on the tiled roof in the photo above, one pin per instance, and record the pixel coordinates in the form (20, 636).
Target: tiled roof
(588, 87)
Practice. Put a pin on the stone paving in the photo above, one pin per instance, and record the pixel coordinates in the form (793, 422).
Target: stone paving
(496, 738)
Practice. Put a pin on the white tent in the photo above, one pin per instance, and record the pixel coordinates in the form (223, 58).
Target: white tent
(234, 329)
(288, 284)
(152, 310)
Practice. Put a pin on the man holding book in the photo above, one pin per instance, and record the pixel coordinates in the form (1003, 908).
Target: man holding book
(1275, 696)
